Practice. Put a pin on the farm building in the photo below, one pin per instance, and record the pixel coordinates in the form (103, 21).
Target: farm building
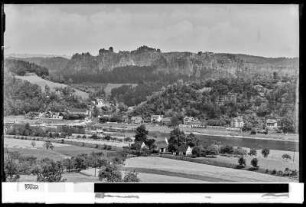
(189, 151)
(162, 145)
(166, 121)
(156, 118)
(237, 122)
(271, 123)
(136, 120)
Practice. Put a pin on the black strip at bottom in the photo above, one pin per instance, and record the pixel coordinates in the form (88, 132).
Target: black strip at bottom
(190, 188)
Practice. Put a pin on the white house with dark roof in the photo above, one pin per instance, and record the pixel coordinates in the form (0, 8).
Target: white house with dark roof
(271, 123)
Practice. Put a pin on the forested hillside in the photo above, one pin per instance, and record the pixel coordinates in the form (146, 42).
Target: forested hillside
(276, 98)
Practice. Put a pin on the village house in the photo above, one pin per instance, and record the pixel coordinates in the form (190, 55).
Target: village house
(271, 123)
(193, 122)
(162, 146)
(156, 118)
(237, 122)
(230, 97)
(144, 146)
(189, 151)
(136, 120)
(76, 111)
(166, 121)
(99, 102)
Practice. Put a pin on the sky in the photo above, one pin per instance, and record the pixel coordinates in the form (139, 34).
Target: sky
(262, 30)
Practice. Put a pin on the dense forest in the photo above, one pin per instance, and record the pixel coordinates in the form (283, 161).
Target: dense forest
(21, 97)
(20, 67)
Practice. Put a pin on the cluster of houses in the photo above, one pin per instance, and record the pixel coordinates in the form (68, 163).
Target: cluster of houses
(161, 146)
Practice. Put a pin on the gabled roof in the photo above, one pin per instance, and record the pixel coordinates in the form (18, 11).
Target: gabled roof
(161, 144)
(271, 121)
(182, 148)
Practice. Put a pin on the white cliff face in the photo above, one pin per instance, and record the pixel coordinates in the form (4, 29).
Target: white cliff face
(179, 62)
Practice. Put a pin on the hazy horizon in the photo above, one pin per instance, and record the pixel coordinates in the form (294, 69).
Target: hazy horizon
(63, 30)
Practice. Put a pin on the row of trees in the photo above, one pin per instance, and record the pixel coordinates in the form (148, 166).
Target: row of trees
(48, 170)
(20, 67)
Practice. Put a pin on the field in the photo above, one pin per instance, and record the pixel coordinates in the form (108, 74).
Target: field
(42, 83)
(164, 166)
(61, 151)
(273, 161)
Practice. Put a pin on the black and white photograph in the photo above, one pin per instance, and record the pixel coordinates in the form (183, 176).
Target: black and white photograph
(151, 93)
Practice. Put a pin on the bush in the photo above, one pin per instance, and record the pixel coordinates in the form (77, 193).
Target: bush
(253, 152)
(131, 177)
(50, 172)
(240, 151)
(253, 131)
(109, 147)
(273, 172)
(267, 171)
(242, 161)
(286, 157)
(265, 152)
(110, 173)
(212, 150)
(227, 149)
(84, 137)
(79, 136)
(279, 173)
(254, 162)
(196, 151)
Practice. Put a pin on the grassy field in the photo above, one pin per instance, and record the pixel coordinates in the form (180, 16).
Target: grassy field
(61, 151)
(211, 173)
(42, 83)
(273, 161)
(71, 177)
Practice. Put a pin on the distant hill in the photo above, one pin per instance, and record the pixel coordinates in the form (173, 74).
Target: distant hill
(34, 79)
(151, 64)
(199, 64)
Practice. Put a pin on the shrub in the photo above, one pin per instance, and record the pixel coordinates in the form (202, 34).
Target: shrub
(242, 161)
(254, 162)
(50, 172)
(240, 151)
(273, 172)
(196, 151)
(265, 152)
(227, 149)
(286, 157)
(279, 173)
(109, 147)
(84, 137)
(79, 136)
(253, 152)
(212, 150)
(131, 177)
(267, 171)
(110, 173)
(253, 131)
